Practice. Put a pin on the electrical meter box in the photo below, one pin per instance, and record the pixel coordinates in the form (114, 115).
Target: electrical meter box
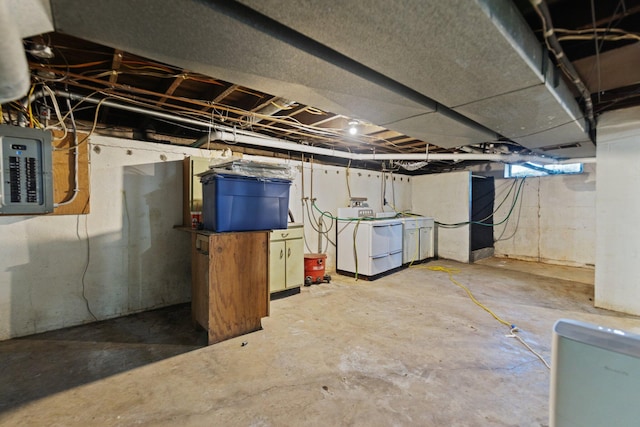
(27, 185)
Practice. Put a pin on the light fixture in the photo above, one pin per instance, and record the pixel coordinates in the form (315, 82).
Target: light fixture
(40, 48)
(42, 51)
(353, 127)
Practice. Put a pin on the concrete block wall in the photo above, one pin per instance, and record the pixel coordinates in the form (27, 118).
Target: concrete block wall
(618, 212)
(446, 197)
(554, 220)
(126, 256)
(331, 191)
(123, 257)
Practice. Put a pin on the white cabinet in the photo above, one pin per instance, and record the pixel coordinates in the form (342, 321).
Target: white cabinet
(418, 239)
(369, 248)
(286, 258)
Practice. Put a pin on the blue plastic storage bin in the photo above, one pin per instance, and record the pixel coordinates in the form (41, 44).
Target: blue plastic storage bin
(242, 203)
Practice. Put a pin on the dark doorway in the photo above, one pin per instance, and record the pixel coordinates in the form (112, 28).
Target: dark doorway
(482, 197)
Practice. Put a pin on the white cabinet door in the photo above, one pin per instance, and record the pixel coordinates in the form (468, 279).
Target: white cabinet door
(411, 250)
(294, 262)
(277, 279)
(426, 243)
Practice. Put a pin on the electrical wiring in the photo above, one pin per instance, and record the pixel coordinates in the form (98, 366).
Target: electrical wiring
(600, 37)
(76, 162)
(29, 110)
(86, 265)
(347, 175)
(393, 191)
(315, 223)
(383, 191)
(193, 108)
(515, 228)
(511, 185)
(513, 329)
(480, 222)
(83, 65)
(93, 128)
(56, 108)
(327, 135)
(355, 247)
(282, 107)
(315, 111)
(347, 221)
(553, 44)
(23, 110)
(590, 32)
(450, 272)
(328, 215)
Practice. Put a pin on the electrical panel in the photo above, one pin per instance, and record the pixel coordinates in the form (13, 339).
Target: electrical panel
(26, 170)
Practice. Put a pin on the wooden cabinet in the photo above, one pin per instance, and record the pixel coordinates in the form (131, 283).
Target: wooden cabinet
(229, 286)
(286, 259)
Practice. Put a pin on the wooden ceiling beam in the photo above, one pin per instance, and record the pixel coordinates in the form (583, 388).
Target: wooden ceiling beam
(609, 19)
(260, 106)
(228, 91)
(334, 140)
(328, 119)
(116, 62)
(297, 110)
(172, 88)
(405, 139)
(220, 97)
(385, 134)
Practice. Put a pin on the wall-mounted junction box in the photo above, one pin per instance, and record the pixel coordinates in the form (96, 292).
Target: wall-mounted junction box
(25, 169)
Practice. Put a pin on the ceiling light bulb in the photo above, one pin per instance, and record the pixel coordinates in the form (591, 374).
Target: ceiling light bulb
(353, 129)
(42, 51)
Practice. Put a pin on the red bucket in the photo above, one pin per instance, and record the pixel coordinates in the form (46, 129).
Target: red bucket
(314, 268)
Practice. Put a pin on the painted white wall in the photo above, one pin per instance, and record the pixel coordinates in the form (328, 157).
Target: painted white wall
(618, 210)
(331, 192)
(125, 256)
(331, 187)
(553, 222)
(446, 198)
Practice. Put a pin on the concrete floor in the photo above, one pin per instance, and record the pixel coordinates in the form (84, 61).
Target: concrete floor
(408, 349)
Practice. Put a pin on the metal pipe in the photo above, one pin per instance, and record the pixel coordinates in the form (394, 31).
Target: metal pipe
(224, 133)
(548, 32)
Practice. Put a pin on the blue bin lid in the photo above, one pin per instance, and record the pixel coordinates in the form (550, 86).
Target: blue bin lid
(208, 177)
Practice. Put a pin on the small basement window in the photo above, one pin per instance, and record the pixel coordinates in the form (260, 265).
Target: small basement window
(523, 170)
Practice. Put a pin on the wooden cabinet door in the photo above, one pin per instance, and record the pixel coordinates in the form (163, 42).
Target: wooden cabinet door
(200, 280)
(238, 283)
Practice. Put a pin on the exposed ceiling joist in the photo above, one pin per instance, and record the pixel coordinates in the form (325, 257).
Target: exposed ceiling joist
(177, 81)
(115, 65)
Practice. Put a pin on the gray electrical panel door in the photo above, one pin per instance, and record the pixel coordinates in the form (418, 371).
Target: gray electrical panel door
(26, 171)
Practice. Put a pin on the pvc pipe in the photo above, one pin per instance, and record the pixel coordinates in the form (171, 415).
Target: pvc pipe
(231, 135)
(291, 146)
